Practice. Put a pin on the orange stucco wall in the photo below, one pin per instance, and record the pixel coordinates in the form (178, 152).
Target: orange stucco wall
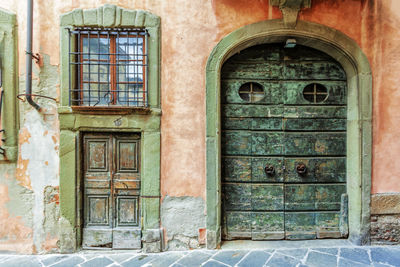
(191, 29)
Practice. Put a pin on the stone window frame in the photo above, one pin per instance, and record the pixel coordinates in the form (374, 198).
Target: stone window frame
(9, 66)
(74, 122)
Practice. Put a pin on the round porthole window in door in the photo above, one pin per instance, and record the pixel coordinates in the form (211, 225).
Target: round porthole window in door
(315, 93)
(251, 92)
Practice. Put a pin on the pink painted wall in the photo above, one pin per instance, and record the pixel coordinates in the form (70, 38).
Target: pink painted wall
(191, 29)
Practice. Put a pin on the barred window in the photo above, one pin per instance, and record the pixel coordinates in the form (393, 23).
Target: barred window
(107, 67)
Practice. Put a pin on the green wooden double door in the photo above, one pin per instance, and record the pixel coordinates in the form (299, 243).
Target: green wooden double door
(111, 191)
(283, 145)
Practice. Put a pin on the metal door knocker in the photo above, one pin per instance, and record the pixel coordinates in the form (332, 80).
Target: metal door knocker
(269, 170)
(301, 169)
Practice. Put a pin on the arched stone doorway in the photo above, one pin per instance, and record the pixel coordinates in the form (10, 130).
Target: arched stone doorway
(359, 87)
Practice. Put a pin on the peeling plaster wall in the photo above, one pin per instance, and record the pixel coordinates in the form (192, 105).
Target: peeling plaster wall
(33, 180)
(16, 204)
(190, 30)
(38, 161)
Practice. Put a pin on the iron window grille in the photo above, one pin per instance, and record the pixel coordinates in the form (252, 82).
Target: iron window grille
(108, 67)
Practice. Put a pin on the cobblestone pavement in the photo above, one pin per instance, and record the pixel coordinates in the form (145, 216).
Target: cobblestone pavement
(376, 256)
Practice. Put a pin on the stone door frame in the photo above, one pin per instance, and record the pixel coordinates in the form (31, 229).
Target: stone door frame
(359, 114)
(73, 123)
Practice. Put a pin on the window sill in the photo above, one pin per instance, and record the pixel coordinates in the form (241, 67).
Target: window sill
(111, 110)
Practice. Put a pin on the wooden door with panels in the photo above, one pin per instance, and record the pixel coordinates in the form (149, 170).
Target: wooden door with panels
(111, 191)
(283, 144)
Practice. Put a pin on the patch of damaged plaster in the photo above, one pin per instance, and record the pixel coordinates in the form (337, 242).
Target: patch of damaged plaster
(21, 172)
(51, 217)
(16, 231)
(182, 217)
(38, 155)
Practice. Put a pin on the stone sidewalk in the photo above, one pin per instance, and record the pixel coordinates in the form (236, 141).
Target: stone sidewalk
(376, 256)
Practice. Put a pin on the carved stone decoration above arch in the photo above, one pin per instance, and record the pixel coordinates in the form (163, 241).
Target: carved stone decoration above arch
(290, 10)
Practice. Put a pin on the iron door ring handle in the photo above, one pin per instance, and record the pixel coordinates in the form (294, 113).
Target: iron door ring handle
(301, 168)
(269, 170)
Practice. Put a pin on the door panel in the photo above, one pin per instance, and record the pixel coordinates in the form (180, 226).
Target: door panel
(126, 238)
(261, 54)
(127, 210)
(267, 124)
(314, 70)
(249, 169)
(283, 152)
(294, 92)
(111, 191)
(236, 169)
(332, 170)
(97, 155)
(327, 224)
(237, 143)
(98, 210)
(126, 186)
(304, 53)
(315, 144)
(253, 111)
(300, 225)
(267, 225)
(267, 143)
(236, 225)
(267, 197)
(314, 124)
(258, 172)
(253, 124)
(97, 231)
(317, 112)
(313, 196)
(127, 156)
(260, 70)
(299, 197)
(230, 87)
(237, 124)
(311, 225)
(327, 196)
(100, 237)
(237, 196)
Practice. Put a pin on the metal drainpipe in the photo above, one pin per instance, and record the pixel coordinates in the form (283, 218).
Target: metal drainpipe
(28, 90)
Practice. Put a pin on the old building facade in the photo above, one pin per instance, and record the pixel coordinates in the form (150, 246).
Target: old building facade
(170, 125)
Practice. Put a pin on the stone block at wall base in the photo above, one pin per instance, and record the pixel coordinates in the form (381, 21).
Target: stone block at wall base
(385, 204)
(152, 247)
(151, 240)
(385, 219)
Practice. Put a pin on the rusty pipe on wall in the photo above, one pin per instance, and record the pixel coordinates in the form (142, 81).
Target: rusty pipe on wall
(29, 55)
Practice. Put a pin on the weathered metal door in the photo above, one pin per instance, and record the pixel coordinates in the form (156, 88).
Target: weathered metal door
(283, 145)
(111, 191)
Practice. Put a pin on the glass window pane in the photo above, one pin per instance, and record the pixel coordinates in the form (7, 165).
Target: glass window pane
(131, 95)
(97, 95)
(99, 66)
(95, 48)
(130, 48)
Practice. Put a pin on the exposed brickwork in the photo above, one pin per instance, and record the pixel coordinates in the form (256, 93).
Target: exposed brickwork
(385, 219)
(385, 229)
